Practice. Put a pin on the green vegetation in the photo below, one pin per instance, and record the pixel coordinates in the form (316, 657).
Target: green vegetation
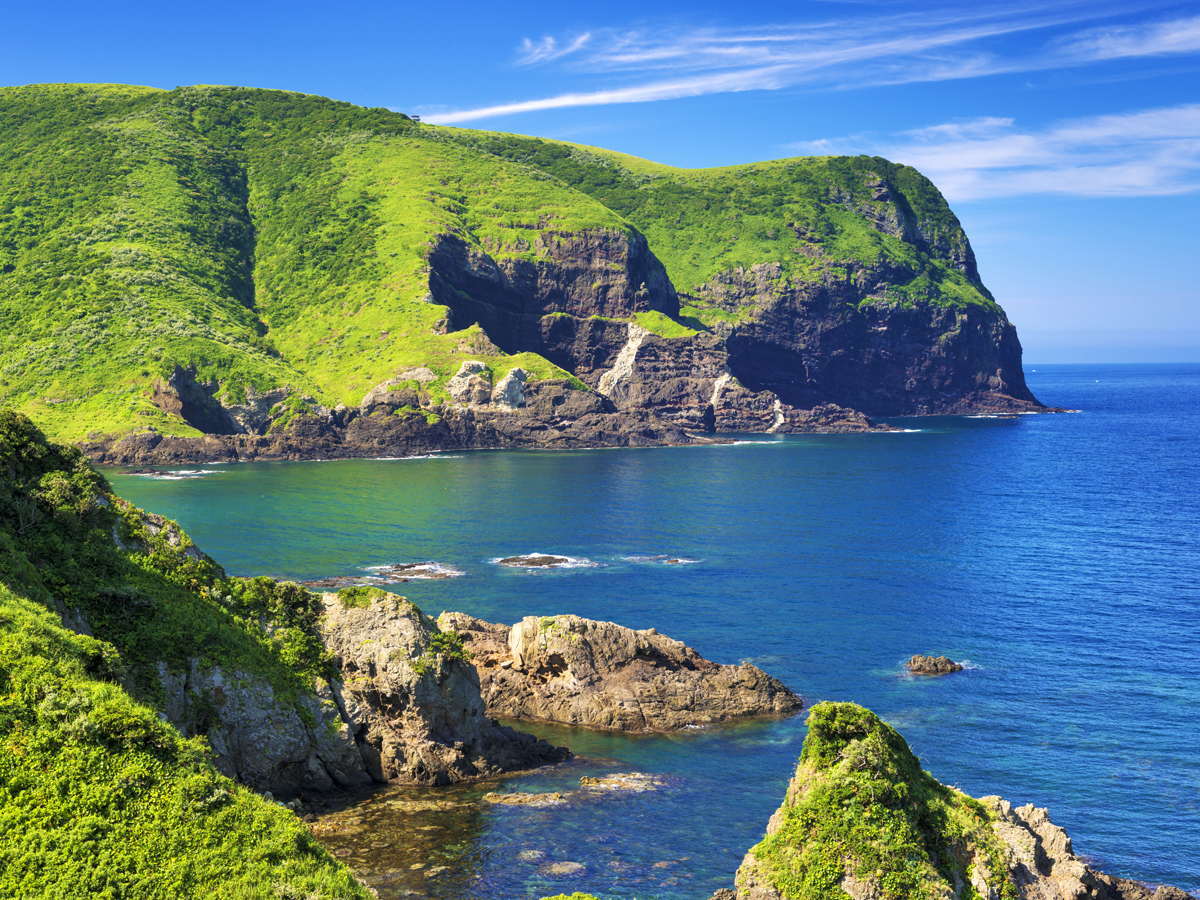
(363, 596)
(269, 239)
(446, 644)
(862, 805)
(274, 240)
(98, 797)
(810, 216)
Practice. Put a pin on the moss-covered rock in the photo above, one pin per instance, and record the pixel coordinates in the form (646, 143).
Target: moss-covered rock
(862, 819)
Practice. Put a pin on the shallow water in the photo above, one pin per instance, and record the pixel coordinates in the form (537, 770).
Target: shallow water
(1059, 554)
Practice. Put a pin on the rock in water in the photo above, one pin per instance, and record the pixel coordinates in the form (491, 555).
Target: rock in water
(861, 818)
(576, 671)
(932, 665)
(412, 697)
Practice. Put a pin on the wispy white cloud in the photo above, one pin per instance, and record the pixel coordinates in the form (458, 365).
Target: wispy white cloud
(1153, 152)
(727, 82)
(670, 63)
(1155, 39)
(548, 49)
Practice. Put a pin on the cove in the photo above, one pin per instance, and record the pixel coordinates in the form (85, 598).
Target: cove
(1057, 554)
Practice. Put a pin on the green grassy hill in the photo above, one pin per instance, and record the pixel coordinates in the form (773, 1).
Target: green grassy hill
(98, 796)
(263, 240)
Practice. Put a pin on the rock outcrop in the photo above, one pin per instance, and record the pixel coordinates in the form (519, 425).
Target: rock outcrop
(932, 665)
(548, 414)
(404, 708)
(1042, 863)
(413, 701)
(860, 805)
(577, 671)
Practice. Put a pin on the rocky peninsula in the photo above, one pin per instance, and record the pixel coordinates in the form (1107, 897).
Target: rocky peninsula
(577, 671)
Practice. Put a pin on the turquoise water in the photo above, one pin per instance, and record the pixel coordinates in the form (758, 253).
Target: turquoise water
(1059, 554)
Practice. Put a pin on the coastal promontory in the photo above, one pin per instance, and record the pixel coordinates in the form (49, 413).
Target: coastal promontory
(217, 274)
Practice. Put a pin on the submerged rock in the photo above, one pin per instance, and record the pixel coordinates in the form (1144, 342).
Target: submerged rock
(578, 671)
(932, 665)
(549, 798)
(534, 561)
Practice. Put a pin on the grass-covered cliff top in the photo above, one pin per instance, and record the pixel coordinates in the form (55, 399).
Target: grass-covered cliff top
(98, 797)
(274, 239)
(860, 806)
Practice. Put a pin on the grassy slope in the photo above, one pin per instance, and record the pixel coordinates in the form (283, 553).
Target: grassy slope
(267, 238)
(700, 222)
(278, 239)
(98, 797)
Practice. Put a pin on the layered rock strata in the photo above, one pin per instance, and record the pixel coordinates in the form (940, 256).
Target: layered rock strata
(577, 671)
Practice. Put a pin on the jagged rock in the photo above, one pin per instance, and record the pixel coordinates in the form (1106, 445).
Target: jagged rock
(554, 416)
(472, 384)
(932, 665)
(577, 671)
(262, 740)
(417, 715)
(509, 392)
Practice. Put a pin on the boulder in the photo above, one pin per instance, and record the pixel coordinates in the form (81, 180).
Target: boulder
(932, 665)
(472, 384)
(509, 392)
(577, 671)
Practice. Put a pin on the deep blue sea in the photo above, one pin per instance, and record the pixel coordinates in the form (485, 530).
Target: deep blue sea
(1058, 554)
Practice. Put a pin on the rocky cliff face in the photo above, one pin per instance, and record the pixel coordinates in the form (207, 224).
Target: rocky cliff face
(604, 272)
(577, 671)
(845, 340)
(404, 707)
(549, 414)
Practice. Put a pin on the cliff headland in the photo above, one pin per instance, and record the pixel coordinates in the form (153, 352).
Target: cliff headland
(211, 274)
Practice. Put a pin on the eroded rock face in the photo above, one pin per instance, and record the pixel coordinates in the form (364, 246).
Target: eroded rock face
(597, 272)
(842, 341)
(417, 714)
(261, 740)
(577, 671)
(549, 415)
(1042, 862)
(400, 712)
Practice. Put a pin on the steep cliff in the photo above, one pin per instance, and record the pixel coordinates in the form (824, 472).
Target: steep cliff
(240, 273)
(99, 796)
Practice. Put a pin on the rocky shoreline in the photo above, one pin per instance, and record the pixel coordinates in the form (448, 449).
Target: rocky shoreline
(580, 672)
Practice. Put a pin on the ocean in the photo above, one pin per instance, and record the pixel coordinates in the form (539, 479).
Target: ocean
(1057, 555)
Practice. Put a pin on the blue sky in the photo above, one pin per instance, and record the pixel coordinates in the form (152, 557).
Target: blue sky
(1065, 135)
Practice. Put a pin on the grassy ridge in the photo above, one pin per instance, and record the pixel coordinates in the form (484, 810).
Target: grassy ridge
(266, 238)
(279, 240)
(98, 797)
(700, 222)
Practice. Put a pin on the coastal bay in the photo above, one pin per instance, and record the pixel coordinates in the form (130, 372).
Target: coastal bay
(1053, 554)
